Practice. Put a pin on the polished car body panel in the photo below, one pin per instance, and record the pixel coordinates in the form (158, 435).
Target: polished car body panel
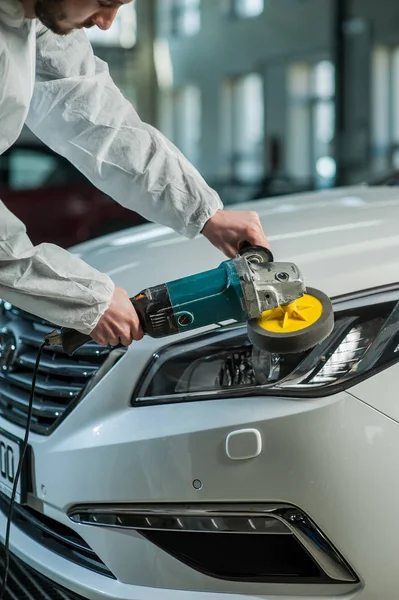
(333, 457)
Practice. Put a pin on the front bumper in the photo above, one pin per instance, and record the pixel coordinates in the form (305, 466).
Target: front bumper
(312, 457)
(45, 575)
(61, 582)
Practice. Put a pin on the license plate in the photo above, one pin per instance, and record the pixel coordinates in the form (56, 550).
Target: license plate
(10, 452)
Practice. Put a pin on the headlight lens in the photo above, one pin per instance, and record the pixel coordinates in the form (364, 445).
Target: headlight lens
(225, 364)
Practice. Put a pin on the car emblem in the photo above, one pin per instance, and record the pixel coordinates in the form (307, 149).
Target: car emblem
(8, 347)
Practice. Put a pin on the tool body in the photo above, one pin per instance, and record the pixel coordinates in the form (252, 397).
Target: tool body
(250, 288)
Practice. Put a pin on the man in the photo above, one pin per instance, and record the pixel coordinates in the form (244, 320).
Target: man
(51, 80)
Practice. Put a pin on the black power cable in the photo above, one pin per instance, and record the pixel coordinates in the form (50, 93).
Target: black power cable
(18, 473)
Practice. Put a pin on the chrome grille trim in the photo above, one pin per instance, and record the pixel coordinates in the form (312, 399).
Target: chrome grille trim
(65, 367)
(20, 399)
(43, 386)
(35, 338)
(61, 382)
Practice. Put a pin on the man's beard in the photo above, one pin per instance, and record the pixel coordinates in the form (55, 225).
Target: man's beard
(52, 13)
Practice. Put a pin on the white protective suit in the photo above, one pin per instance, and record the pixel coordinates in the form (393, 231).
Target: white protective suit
(67, 98)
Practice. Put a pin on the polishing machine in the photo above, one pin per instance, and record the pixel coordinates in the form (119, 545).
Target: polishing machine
(283, 315)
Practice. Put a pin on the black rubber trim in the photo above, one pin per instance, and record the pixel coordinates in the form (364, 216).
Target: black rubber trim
(56, 537)
(274, 559)
(26, 583)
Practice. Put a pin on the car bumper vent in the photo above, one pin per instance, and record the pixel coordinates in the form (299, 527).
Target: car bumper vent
(24, 583)
(274, 543)
(55, 536)
(61, 380)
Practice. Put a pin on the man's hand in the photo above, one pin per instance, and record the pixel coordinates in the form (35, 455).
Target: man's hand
(228, 229)
(119, 324)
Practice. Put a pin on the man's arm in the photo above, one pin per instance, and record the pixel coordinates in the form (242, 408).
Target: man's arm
(53, 284)
(79, 112)
(49, 281)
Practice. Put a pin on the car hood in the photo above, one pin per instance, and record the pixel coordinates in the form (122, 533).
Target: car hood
(343, 240)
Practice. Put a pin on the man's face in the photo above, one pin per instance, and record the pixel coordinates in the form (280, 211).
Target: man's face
(63, 16)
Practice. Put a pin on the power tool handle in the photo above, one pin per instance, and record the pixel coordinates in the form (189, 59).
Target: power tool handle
(72, 339)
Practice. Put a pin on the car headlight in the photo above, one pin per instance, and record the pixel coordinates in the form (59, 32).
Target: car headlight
(225, 364)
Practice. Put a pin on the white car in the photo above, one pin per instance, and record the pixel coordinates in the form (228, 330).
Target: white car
(194, 468)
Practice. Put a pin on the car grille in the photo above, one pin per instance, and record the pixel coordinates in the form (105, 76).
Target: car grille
(24, 583)
(55, 536)
(61, 380)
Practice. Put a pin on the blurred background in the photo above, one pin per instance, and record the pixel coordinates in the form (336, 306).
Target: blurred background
(265, 97)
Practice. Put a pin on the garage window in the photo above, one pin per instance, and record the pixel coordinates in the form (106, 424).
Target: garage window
(187, 122)
(185, 17)
(242, 9)
(243, 126)
(311, 123)
(385, 108)
(180, 116)
(248, 8)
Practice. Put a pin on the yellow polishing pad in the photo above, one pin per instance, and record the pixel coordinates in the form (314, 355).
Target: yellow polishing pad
(299, 315)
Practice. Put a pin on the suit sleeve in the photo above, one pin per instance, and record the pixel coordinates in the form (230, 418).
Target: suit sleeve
(80, 113)
(48, 281)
